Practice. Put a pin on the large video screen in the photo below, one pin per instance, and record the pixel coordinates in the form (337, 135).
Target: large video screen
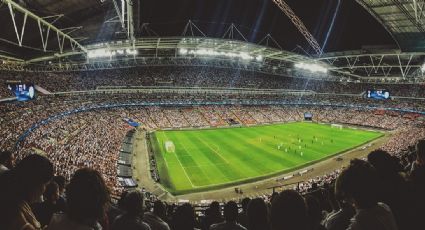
(378, 94)
(22, 91)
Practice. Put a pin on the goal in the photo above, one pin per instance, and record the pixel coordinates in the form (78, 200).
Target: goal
(336, 126)
(169, 147)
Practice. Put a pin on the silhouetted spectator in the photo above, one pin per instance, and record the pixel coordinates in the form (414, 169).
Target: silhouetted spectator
(6, 161)
(87, 198)
(230, 216)
(212, 215)
(258, 215)
(19, 188)
(314, 213)
(132, 219)
(184, 218)
(339, 219)
(417, 185)
(289, 211)
(359, 186)
(45, 210)
(392, 188)
(243, 218)
(157, 219)
(61, 203)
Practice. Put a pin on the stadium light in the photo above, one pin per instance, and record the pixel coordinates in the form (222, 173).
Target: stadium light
(212, 52)
(315, 68)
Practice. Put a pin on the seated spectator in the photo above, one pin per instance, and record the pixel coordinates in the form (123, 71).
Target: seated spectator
(230, 216)
(243, 218)
(358, 185)
(289, 211)
(314, 213)
(417, 185)
(87, 198)
(6, 161)
(342, 214)
(212, 215)
(132, 218)
(157, 219)
(20, 187)
(258, 215)
(184, 218)
(44, 211)
(392, 188)
(61, 203)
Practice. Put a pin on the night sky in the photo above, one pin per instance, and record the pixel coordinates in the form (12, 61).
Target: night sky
(353, 26)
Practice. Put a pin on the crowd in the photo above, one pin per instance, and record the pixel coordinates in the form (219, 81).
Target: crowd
(75, 140)
(194, 76)
(376, 193)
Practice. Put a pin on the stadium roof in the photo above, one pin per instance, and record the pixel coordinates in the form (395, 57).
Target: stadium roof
(403, 19)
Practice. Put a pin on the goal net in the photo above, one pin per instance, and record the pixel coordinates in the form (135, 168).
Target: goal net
(336, 126)
(169, 147)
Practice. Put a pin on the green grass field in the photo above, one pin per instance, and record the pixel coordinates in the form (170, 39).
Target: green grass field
(208, 159)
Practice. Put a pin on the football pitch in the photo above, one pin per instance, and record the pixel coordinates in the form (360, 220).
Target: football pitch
(205, 159)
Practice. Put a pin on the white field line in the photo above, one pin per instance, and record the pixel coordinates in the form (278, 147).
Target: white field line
(216, 152)
(181, 165)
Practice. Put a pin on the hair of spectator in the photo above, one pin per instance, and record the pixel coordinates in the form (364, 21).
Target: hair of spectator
(358, 182)
(5, 156)
(61, 181)
(288, 211)
(184, 217)
(258, 215)
(87, 195)
(420, 150)
(160, 210)
(134, 203)
(230, 211)
(52, 189)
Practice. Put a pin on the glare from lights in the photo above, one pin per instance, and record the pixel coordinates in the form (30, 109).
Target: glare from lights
(311, 67)
(212, 52)
(101, 53)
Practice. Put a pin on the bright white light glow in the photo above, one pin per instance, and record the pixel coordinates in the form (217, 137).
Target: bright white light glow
(212, 52)
(311, 67)
(99, 53)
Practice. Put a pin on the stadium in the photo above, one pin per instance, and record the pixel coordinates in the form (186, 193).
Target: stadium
(120, 113)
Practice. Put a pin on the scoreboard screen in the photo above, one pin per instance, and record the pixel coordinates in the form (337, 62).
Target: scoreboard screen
(308, 116)
(381, 94)
(22, 91)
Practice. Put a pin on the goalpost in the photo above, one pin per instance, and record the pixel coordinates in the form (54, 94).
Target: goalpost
(169, 147)
(336, 126)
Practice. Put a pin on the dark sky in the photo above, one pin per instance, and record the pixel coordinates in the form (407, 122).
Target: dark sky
(353, 26)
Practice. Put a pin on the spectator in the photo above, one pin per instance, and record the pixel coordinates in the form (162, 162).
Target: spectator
(44, 211)
(87, 199)
(20, 187)
(358, 184)
(230, 217)
(314, 213)
(157, 219)
(392, 188)
(6, 161)
(243, 217)
(132, 218)
(212, 215)
(61, 203)
(258, 215)
(184, 218)
(417, 185)
(340, 218)
(289, 211)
